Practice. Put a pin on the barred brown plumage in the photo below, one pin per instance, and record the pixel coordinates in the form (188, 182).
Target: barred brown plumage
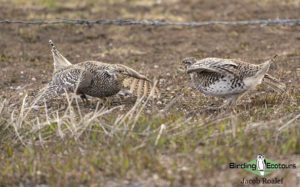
(93, 78)
(229, 78)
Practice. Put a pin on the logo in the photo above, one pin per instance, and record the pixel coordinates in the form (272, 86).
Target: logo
(261, 166)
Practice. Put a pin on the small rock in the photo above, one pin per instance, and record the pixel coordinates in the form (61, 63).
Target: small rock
(33, 79)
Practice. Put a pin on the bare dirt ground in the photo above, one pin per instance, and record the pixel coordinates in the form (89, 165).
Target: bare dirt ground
(196, 158)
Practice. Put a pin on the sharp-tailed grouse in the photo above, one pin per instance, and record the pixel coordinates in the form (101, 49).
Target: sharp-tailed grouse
(92, 78)
(228, 78)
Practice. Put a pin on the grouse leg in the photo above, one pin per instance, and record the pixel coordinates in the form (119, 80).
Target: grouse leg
(84, 99)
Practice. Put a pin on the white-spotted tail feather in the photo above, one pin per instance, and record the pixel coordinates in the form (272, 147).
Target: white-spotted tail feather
(274, 83)
(141, 88)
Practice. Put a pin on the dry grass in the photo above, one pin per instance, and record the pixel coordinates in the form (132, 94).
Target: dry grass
(109, 147)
